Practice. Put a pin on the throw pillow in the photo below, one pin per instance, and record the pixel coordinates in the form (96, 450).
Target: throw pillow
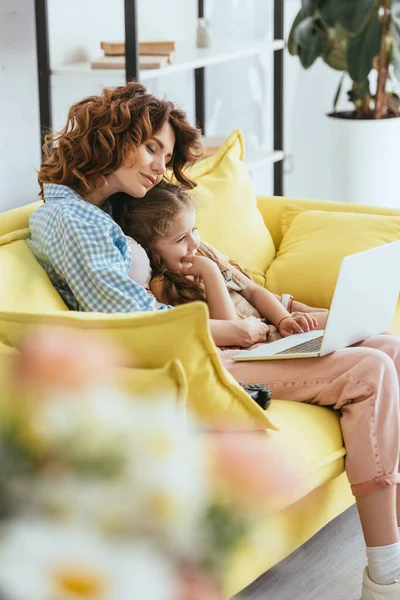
(313, 245)
(228, 217)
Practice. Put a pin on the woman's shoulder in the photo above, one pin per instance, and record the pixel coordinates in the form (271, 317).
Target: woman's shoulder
(75, 219)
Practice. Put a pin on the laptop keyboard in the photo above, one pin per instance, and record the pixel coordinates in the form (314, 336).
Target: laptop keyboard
(310, 346)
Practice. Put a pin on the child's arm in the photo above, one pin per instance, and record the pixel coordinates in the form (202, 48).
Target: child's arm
(219, 302)
(270, 307)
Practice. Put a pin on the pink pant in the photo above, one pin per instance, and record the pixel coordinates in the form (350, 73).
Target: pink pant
(363, 383)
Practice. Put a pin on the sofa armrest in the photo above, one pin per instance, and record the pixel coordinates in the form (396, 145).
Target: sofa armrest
(272, 208)
(18, 218)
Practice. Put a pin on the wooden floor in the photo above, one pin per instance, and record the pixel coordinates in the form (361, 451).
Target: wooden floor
(327, 567)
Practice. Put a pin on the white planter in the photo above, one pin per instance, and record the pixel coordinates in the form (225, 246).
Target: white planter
(365, 161)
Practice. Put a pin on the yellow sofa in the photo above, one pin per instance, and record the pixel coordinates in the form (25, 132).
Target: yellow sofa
(311, 433)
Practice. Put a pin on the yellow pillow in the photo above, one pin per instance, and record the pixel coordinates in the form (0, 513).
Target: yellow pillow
(167, 383)
(228, 217)
(313, 245)
(154, 339)
(25, 285)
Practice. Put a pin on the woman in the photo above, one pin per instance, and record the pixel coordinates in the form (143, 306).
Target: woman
(122, 141)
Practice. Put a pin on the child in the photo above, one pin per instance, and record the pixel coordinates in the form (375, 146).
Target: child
(185, 269)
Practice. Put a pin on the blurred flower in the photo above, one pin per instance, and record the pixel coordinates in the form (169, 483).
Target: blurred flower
(41, 560)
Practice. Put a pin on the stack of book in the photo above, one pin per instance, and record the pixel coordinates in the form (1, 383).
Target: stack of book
(152, 55)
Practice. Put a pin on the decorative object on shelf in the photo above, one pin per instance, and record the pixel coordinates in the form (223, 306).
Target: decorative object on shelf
(152, 55)
(204, 39)
(359, 39)
(118, 62)
(156, 48)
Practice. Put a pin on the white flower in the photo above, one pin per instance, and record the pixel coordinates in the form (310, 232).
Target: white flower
(44, 561)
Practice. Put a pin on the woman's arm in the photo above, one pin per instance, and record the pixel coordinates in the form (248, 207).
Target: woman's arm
(242, 332)
(94, 268)
(219, 302)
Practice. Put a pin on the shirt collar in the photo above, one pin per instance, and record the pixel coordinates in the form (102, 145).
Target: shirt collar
(55, 191)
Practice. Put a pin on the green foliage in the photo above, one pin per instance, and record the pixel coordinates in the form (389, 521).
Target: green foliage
(355, 37)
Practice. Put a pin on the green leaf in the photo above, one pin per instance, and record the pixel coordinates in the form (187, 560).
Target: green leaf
(309, 7)
(352, 14)
(362, 50)
(359, 91)
(338, 92)
(327, 12)
(292, 44)
(311, 42)
(395, 30)
(336, 55)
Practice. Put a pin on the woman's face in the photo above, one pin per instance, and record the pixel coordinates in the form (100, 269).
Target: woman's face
(148, 168)
(181, 241)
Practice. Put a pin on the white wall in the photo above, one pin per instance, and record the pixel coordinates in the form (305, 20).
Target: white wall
(19, 112)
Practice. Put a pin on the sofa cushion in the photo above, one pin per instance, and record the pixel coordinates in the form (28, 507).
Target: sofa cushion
(228, 217)
(154, 339)
(313, 246)
(25, 285)
(313, 440)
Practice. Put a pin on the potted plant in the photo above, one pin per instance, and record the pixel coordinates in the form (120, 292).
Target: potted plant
(361, 38)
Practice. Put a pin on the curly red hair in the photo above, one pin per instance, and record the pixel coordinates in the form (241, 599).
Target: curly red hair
(102, 131)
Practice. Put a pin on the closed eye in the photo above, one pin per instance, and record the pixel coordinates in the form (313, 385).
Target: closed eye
(180, 239)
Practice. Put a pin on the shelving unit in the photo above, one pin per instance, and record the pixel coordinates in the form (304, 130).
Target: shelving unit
(186, 58)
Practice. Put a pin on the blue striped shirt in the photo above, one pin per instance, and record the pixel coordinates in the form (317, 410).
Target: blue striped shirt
(85, 254)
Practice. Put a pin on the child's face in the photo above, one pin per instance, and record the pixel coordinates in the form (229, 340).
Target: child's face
(181, 241)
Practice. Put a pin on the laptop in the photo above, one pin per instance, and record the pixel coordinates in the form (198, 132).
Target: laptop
(363, 305)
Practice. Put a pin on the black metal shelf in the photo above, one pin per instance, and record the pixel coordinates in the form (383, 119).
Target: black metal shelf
(132, 73)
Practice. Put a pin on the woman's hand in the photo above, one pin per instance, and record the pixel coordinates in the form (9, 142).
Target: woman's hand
(299, 324)
(251, 331)
(304, 308)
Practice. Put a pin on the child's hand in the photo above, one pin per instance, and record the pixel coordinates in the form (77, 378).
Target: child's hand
(298, 324)
(198, 266)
